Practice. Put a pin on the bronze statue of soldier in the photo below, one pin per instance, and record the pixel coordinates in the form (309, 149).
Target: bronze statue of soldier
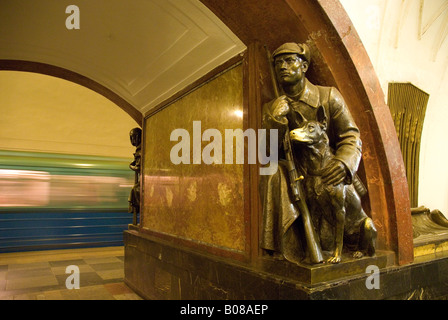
(134, 196)
(300, 102)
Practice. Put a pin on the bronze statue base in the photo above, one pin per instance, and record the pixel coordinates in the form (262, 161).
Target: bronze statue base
(317, 273)
(160, 270)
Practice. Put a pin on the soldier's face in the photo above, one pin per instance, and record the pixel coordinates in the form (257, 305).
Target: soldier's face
(290, 69)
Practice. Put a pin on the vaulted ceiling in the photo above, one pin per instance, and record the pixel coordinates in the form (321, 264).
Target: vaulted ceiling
(142, 50)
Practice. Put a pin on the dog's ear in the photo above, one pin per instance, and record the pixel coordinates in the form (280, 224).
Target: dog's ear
(300, 118)
(321, 116)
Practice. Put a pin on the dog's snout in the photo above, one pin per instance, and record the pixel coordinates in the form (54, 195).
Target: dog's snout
(292, 134)
(300, 135)
(295, 135)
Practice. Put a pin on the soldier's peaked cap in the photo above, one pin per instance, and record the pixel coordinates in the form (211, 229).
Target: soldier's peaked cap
(300, 49)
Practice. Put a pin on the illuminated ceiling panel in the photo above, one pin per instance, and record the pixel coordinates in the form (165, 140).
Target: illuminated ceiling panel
(143, 50)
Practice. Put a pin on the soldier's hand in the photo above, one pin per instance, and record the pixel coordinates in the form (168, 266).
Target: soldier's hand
(334, 173)
(280, 107)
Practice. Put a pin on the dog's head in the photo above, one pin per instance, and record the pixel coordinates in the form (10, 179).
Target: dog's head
(312, 131)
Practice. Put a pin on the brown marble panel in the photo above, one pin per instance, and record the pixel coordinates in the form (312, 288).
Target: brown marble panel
(199, 202)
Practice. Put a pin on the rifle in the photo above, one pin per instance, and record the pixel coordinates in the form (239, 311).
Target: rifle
(296, 185)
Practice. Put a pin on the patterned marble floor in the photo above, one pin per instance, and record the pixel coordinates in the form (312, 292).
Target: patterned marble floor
(41, 275)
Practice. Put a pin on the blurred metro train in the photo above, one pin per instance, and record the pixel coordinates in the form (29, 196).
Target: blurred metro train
(56, 201)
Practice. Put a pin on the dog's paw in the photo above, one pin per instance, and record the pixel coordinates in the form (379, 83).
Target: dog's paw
(358, 254)
(334, 259)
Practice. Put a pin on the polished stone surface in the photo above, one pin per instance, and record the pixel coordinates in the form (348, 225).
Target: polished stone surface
(158, 270)
(41, 275)
(199, 202)
(324, 272)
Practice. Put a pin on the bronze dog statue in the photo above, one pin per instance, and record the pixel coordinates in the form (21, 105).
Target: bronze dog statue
(336, 210)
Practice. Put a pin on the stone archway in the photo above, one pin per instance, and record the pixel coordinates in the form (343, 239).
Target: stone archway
(47, 69)
(339, 60)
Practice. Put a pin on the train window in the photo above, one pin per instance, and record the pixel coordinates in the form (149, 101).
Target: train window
(88, 190)
(26, 188)
(23, 188)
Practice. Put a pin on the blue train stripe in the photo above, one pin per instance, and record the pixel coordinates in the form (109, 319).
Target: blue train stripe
(41, 231)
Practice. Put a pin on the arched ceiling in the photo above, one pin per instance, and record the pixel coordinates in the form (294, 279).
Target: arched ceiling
(142, 50)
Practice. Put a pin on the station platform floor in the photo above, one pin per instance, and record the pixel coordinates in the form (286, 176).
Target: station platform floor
(41, 275)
